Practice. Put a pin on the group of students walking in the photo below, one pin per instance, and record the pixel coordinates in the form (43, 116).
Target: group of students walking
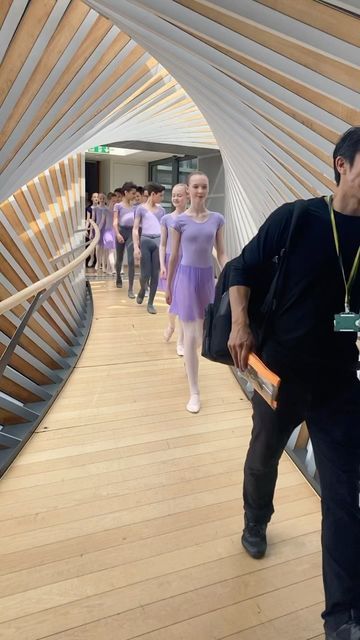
(175, 252)
(311, 343)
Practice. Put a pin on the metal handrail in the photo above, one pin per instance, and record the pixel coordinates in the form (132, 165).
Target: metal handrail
(48, 281)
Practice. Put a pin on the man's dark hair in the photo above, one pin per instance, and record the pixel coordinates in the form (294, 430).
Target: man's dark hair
(118, 190)
(347, 147)
(154, 187)
(140, 190)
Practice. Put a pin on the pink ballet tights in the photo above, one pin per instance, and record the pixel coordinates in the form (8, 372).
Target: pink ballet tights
(192, 341)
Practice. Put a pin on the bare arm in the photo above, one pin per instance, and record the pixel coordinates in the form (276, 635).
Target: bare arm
(220, 247)
(162, 250)
(241, 341)
(136, 239)
(118, 235)
(175, 244)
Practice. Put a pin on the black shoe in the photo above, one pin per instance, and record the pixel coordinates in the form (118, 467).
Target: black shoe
(348, 631)
(151, 309)
(119, 283)
(131, 294)
(254, 539)
(140, 296)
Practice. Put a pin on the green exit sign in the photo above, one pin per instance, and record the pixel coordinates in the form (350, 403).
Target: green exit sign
(101, 149)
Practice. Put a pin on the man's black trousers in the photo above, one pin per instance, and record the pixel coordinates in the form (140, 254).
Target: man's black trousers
(332, 414)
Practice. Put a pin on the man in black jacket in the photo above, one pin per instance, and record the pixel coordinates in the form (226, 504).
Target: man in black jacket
(306, 344)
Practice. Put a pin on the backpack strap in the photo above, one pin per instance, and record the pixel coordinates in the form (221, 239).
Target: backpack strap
(271, 300)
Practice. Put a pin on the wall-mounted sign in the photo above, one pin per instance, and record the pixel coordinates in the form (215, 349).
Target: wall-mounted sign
(100, 149)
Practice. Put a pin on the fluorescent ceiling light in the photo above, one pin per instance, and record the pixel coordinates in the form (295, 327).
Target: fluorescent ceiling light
(114, 151)
(119, 151)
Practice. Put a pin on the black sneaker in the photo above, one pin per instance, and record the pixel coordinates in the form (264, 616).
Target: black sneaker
(119, 283)
(348, 631)
(254, 538)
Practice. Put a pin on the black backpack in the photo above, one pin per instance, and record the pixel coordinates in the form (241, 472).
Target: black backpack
(263, 300)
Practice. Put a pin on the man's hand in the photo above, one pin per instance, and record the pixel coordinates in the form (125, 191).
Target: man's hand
(119, 238)
(163, 273)
(241, 342)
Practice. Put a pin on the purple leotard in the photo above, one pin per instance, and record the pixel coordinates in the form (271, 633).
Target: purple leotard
(150, 221)
(194, 284)
(126, 215)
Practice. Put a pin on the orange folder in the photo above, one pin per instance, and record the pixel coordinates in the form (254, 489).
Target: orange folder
(265, 381)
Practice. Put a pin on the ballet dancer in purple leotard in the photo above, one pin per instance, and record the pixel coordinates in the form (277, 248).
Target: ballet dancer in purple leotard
(107, 235)
(179, 201)
(198, 230)
(90, 215)
(146, 248)
(123, 222)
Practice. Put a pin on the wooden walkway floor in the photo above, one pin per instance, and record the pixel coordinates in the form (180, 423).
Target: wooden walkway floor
(122, 516)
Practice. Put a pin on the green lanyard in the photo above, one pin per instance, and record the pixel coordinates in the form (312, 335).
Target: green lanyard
(353, 273)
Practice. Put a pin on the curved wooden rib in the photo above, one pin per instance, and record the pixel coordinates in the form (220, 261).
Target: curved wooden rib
(46, 283)
(278, 82)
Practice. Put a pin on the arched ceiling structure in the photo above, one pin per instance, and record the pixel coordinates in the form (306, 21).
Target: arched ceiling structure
(274, 82)
(277, 81)
(68, 77)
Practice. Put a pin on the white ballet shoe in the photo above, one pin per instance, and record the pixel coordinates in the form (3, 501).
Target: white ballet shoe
(194, 403)
(180, 349)
(168, 333)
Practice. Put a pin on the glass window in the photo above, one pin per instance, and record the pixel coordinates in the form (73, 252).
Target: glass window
(170, 171)
(186, 166)
(162, 173)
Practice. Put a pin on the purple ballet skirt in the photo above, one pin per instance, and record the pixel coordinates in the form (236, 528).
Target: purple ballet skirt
(107, 234)
(162, 286)
(108, 239)
(194, 289)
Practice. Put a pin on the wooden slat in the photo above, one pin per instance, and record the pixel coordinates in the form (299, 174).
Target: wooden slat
(31, 23)
(300, 160)
(311, 93)
(331, 20)
(296, 175)
(314, 125)
(309, 146)
(28, 344)
(4, 8)
(67, 27)
(314, 59)
(18, 392)
(9, 418)
(85, 48)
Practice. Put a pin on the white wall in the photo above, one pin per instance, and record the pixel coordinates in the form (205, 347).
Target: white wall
(123, 172)
(113, 173)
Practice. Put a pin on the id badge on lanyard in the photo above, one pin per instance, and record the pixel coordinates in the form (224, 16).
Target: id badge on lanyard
(348, 320)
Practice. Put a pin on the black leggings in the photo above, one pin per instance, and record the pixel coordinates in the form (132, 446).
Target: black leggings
(150, 264)
(126, 233)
